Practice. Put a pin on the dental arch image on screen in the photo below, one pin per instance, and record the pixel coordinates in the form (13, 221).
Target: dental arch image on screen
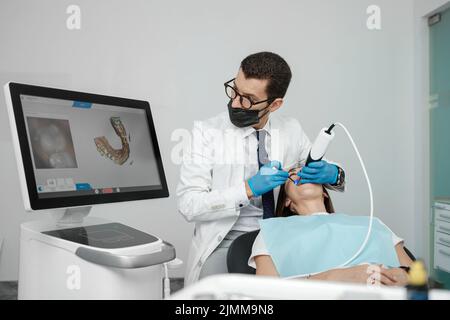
(82, 148)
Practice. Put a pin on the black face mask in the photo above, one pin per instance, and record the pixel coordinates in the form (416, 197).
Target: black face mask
(242, 118)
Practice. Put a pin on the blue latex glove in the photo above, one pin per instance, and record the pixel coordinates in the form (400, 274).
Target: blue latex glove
(320, 172)
(267, 178)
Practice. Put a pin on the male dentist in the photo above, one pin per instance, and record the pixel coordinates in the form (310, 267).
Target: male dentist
(230, 176)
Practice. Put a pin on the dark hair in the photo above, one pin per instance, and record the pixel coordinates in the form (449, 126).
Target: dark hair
(283, 211)
(268, 66)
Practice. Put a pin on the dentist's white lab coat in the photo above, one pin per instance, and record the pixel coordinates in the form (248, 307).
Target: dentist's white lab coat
(211, 193)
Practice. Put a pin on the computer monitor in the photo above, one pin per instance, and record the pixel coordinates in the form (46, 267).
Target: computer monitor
(77, 149)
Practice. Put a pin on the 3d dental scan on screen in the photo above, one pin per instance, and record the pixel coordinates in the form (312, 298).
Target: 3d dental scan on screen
(225, 160)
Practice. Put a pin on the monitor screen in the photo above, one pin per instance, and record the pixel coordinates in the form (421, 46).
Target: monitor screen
(80, 148)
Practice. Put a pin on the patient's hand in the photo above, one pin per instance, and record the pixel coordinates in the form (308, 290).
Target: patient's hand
(395, 276)
(367, 274)
(359, 274)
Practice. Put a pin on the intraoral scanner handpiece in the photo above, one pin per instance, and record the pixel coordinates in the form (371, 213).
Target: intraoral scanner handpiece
(320, 145)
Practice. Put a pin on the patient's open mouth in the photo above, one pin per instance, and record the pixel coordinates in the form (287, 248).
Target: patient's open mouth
(295, 182)
(119, 156)
(293, 173)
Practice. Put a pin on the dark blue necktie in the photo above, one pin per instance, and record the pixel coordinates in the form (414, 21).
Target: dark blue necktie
(268, 201)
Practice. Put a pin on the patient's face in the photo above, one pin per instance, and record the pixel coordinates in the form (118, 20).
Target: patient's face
(297, 193)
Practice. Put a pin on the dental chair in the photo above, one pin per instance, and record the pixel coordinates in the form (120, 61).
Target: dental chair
(239, 253)
(241, 249)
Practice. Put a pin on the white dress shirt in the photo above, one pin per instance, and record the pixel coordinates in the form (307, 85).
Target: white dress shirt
(250, 214)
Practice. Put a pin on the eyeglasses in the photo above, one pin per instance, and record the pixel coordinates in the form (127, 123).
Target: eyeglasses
(246, 102)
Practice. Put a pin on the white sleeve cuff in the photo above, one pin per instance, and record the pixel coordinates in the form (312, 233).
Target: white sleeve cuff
(240, 196)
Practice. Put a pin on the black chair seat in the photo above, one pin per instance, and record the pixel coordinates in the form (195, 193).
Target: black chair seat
(239, 252)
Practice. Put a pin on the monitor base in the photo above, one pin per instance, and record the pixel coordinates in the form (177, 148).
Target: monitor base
(61, 268)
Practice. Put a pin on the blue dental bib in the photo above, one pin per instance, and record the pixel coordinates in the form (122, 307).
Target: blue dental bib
(301, 245)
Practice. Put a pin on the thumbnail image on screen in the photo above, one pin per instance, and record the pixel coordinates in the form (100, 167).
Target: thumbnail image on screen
(51, 143)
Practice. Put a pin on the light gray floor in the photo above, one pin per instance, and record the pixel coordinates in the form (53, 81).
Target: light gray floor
(8, 289)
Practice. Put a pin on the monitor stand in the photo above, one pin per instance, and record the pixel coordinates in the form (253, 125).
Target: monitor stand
(70, 216)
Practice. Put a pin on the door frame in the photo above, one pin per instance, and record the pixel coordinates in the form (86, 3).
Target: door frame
(423, 9)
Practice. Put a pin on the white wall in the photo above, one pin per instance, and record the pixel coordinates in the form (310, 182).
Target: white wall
(177, 54)
(424, 8)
